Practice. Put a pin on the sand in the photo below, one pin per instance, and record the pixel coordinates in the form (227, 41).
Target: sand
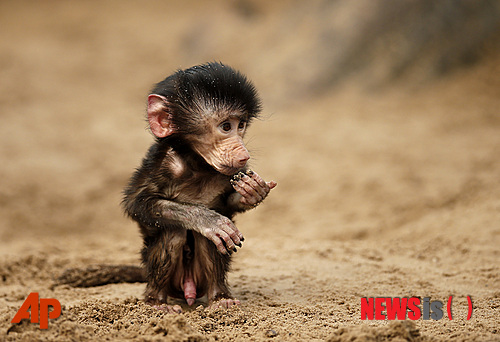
(383, 191)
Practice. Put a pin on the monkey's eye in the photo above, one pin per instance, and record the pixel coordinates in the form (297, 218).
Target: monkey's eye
(226, 126)
(242, 124)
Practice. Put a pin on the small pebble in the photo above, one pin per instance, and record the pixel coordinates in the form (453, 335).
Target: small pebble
(271, 333)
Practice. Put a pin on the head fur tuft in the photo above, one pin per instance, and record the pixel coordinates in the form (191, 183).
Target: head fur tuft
(206, 90)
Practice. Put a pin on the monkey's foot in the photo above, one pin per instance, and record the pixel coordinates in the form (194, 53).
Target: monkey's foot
(224, 303)
(168, 308)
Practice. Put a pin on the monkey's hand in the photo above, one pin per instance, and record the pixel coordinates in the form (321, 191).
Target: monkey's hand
(252, 188)
(218, 229)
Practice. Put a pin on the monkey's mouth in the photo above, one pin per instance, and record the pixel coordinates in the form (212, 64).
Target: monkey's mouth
(228, 170)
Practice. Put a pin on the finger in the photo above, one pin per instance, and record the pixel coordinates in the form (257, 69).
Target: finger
(244, 191)
(168, 308)
(251, 202)
(252, 196)
(226, 224)
(233, 228)
(240, 236)
(229, 303)
(239, 189)
(229, 244)
(233, 233)
(261, 182)
(244, 183)
(176, 309)
(254, 185)
(272, 184)
(212, 236)
(214, 306)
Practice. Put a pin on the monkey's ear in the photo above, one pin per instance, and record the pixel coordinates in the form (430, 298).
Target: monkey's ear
(160, 120)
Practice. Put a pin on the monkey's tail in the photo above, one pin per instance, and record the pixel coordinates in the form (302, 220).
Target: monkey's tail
(97, 275)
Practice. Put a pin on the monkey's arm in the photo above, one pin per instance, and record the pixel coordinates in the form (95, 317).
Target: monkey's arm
(250, 189)
(155, 213)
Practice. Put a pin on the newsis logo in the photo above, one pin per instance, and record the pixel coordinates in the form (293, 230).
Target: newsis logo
(414, 308)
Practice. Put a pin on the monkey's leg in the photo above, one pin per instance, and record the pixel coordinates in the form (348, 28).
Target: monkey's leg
(210, 269)
(163, 257)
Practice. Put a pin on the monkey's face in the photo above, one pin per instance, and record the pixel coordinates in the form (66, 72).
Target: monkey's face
(218, 138)
(222, 145)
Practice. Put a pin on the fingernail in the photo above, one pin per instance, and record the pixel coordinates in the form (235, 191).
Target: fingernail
(235, 250)
(239, 245)
(242, 238)
(250, 172)
(237, 177)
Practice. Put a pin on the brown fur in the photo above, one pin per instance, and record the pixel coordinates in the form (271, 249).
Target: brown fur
(182, 196)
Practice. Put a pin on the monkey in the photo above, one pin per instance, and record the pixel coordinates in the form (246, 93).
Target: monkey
(192, 182)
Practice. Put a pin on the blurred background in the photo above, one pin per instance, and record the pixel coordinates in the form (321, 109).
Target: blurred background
(381, 125)
(375, 110)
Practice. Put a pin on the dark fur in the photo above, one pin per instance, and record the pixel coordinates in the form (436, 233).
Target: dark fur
(166, 206)
(212, 85)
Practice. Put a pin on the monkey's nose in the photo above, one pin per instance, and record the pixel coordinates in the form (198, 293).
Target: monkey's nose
(243, 160)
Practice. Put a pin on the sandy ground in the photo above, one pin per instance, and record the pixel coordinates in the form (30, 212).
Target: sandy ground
(382, 192)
